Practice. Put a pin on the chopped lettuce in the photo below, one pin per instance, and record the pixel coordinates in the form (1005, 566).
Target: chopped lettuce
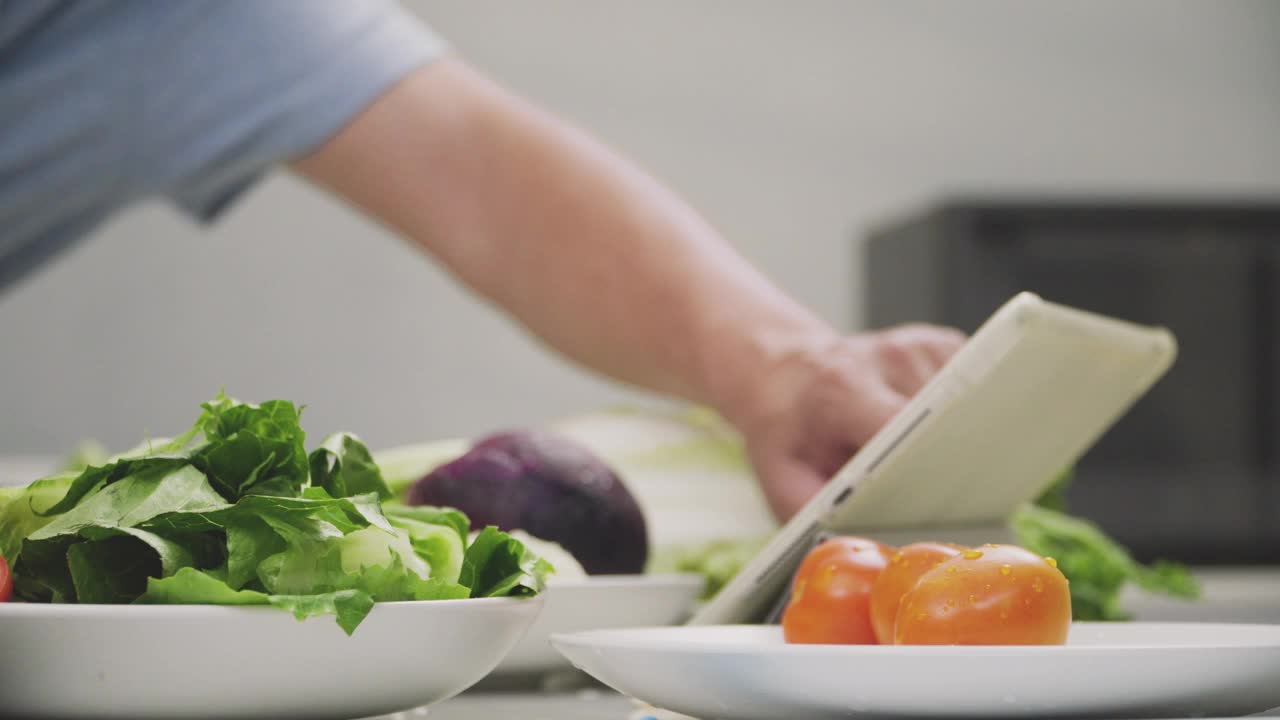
(236, 512)
(565, 566)
(1098, 567)
(343, 466)
(438, 535)
(190, 586)
(8, 493)
(496, 565)
(718, 561)
(24, 513)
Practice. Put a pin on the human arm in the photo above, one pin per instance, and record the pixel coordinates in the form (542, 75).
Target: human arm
(610, 269)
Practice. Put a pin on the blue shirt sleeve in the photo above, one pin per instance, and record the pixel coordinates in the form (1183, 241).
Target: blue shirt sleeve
(234, 87)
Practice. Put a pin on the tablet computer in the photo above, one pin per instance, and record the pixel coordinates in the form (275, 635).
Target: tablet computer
(1026, 395)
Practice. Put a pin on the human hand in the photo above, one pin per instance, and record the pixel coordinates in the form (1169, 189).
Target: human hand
(817, 406)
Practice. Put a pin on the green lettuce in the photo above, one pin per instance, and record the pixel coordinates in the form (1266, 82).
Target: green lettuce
(236, 512)
(439, 535)
(497, 565)
(24, 513)
(342, 465)
(1098, 567)
(190, 586)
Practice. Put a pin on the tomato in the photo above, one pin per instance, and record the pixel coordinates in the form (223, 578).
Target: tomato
(905, 568)
(992, 595)
(831, 593)
(6, 581)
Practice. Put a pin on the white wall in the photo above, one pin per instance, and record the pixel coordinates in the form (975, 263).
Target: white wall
(792, 125)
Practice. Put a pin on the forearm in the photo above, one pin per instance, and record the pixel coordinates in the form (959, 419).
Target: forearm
(588, 253)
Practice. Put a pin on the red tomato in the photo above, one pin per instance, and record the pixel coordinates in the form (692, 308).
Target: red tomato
(831, 593)
(6, 581)
(992, 595)
(905, 568)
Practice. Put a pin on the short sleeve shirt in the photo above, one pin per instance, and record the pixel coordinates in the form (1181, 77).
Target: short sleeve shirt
(104, 103)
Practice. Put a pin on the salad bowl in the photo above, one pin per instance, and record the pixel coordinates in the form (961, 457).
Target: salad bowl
(200, 661)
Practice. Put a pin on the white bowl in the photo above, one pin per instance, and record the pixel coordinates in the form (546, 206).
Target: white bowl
(596, 603)
(202, 661)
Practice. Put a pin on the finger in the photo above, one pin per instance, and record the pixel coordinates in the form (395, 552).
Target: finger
(793, 477)
(936, 342)
(861, 416)
(788, 485)
(943, 344)
(911, 355)
(904, 365)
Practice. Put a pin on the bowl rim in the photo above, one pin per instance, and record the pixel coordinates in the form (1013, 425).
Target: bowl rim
(29, 609)
(627, 580)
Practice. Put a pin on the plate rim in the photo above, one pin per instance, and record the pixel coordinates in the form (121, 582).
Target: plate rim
(633, 639)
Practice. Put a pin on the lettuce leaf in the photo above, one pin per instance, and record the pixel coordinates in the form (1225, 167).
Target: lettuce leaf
(443, 516)
(26, 511)
(193, 587)
(8, 493)
(343, 466)
(252, 448)
(1098, 567)
(497, 565)
(115, 567)
(438, 535)
(153, 492)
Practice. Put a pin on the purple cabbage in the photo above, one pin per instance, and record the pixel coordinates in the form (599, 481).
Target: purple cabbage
(550, 487)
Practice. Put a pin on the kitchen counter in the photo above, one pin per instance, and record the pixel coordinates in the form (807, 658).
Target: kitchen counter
(581, 705)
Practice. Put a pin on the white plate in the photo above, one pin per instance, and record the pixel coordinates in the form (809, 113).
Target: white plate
(1122, 670)
(599, 602)
(200, 661)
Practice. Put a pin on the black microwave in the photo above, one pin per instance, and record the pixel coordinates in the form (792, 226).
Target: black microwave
(1192, 471)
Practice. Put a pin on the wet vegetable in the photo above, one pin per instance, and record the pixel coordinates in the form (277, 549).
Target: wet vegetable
(831, 593)
(990, 595)
(904, 571)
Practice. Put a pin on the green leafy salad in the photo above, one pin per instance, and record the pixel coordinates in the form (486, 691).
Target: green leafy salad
(236, 512)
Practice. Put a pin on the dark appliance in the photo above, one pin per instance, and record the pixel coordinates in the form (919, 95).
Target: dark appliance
(1191, 472)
